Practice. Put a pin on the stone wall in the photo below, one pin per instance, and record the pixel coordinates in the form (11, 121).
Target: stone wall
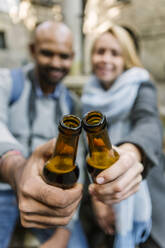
(17, 36)
(148, 19)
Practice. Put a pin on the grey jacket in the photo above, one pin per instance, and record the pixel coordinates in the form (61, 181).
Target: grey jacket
(156, 183)
(147, 134)
(146, 130)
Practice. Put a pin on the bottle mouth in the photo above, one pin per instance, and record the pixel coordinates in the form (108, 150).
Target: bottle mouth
(93, 119)
(71, 122)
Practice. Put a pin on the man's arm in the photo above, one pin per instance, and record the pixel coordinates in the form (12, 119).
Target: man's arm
(7, 140)
(40, 204)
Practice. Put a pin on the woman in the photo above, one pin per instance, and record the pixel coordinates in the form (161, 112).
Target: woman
(122, 90)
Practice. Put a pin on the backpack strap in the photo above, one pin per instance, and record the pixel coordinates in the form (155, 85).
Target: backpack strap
(18, 79)
(70, 103)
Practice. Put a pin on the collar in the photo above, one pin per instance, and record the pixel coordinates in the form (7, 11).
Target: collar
(55, 94)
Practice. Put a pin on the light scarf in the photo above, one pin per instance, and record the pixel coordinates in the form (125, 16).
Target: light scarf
(133, 215)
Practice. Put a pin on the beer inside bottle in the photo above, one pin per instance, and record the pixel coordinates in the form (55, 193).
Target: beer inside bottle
(101, 154)
(61, 170)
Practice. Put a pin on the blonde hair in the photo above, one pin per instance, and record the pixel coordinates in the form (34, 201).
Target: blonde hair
(130, 55)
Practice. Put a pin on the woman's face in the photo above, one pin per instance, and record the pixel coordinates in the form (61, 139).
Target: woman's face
(107, 59)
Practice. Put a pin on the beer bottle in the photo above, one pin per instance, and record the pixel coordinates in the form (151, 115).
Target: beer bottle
(60, 170)
(101, 154)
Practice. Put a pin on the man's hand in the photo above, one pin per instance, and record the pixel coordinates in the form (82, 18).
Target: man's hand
(41, 205)
(122, 179)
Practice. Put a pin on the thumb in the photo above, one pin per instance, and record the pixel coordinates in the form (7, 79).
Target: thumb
(46, 150)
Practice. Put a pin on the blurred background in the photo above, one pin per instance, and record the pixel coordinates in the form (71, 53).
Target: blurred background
(146, 19)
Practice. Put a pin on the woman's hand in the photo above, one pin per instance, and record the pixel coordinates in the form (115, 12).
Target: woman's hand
(120, 180)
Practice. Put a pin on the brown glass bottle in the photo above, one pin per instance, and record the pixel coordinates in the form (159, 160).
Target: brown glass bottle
(101, 154)
(61, 170)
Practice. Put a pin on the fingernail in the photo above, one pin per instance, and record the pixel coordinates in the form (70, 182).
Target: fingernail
(100, 180)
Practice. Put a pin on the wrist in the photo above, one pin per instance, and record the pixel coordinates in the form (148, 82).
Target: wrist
(10, 153)
(11, 164)
(132, 148)
(63, 234)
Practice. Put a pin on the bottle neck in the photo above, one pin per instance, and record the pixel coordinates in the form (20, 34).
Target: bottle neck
(67, 140)
(99, 141)
(66, 147)
(95, 125)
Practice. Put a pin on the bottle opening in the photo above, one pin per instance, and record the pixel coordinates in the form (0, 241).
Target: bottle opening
(93, 119)
(71, 122)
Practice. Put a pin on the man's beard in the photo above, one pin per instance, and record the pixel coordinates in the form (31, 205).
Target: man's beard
(43, 73)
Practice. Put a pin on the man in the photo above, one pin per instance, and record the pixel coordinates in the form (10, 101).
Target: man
(29, 122)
